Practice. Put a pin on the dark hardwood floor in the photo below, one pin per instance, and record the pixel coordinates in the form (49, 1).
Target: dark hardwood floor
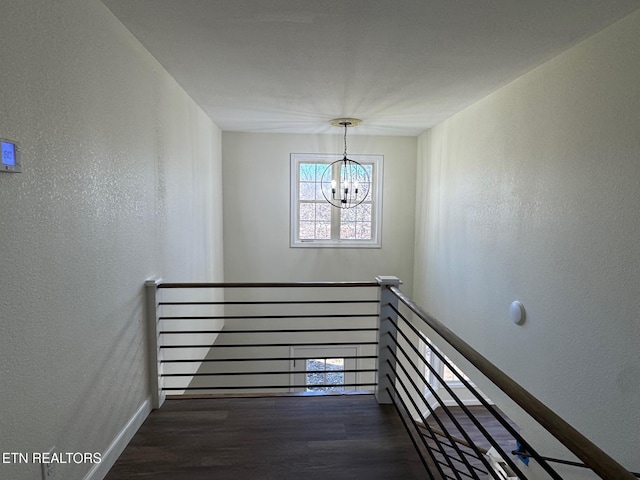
(279, 438)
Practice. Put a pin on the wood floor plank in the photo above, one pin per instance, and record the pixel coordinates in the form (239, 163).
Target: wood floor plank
(325, 437)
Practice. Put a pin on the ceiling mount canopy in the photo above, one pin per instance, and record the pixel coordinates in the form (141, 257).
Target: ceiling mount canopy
(345, 183)
(345, 122)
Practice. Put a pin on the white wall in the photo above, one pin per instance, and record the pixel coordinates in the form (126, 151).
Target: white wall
(120, 182)
(256, 169)
(533, 194)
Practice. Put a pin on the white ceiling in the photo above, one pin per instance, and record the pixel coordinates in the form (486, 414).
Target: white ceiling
(400, 65)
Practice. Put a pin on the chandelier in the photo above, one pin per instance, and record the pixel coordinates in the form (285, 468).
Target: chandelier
(345, 183)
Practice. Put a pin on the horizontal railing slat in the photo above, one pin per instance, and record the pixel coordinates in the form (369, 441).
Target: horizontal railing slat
(273, 372)
(270, 285)
(259, 359)
(288, 344)
(269, 387)
(286, 330)
(274, 302)
(268, 317)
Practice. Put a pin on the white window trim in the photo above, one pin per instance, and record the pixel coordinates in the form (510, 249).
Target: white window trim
(376, 227)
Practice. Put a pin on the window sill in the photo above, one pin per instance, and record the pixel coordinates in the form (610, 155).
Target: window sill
(334, 244)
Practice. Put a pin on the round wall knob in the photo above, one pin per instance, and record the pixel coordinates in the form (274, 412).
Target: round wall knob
(517, 313)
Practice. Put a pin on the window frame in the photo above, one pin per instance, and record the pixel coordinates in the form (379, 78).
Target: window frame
(376, 202)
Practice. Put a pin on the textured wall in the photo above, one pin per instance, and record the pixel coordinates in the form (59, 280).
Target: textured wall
(533, 194)
(120, 182)
(256, 170)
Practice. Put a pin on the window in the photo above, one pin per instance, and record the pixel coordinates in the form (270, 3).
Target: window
(315, 223)
(450, 376)
(453, 376)
(324, 369)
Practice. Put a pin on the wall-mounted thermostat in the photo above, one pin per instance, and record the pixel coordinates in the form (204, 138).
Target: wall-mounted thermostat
(10, 160)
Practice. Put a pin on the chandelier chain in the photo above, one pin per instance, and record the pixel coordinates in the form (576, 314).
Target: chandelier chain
(345, 139)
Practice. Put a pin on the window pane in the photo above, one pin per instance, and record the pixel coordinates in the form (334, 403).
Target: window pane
(348, 231)
(361, 173)
(320, 212)
(323, 230)
(452, 375)
(315, 364)
(335, 378)
(369, 196)
(315, 379)
(307, 212)
(307, 191)
(363, 212)
(307, 172)
(448, 375)
(363, 231)
(323, 212)
(307, 230)
(335, 363)
(323, 169)
(348, 215)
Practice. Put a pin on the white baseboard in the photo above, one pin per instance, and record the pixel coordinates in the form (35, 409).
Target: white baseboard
(117, 446)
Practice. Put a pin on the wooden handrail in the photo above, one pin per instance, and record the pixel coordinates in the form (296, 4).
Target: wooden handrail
(267, 284)
(596, 459)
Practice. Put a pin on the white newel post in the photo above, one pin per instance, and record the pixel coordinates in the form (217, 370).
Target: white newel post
(155, 342)
(386, 361)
